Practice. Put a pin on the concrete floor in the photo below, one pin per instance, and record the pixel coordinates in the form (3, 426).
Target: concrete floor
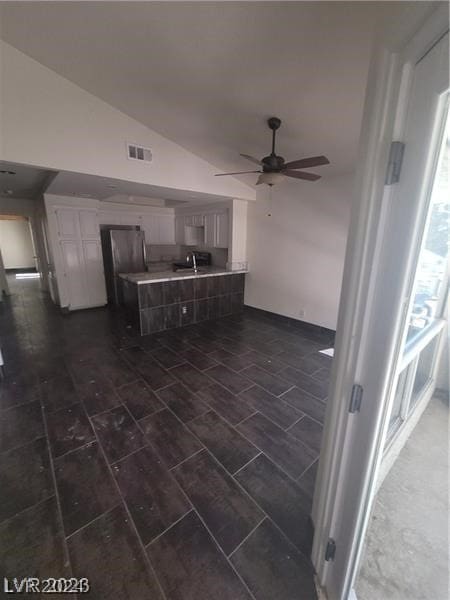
(407, 548)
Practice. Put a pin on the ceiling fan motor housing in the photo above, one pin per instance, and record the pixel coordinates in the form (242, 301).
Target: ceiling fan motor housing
(272, 163)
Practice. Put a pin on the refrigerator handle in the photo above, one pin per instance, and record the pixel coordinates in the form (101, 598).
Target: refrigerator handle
(144, 252)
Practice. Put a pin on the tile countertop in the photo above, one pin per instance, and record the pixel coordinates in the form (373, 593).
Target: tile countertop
(140, 278)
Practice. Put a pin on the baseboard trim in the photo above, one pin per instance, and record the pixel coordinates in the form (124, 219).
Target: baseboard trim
(316, 332)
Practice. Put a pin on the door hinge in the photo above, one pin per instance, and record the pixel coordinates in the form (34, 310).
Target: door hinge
(330, 551)
(356, 398)
(395, 162)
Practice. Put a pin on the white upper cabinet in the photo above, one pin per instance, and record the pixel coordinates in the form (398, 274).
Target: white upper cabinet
(68, 223)
(166, 229)
(221, 227)
(210, 230)
(159, 229)
(89, 227)
(180, 236)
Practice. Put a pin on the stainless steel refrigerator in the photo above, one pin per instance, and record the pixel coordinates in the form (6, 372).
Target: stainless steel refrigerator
(123, 252)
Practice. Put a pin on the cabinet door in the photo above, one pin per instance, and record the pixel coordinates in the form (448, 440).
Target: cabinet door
(221, 240)
(74, 276)
(93, 266)
(89, 225)
(108, 218)
(197, 220)
(210, 230)
(149, 224)
(166, 229)
(180, 237)
(68, 224)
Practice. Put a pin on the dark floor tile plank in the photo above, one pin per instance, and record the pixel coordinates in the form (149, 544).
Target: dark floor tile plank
(227, 405)
(167, 358)
(200, 360)
(229, 514)
(233, 361)
(191, 567)
(307, 482)
(229, 379)
(323, 374)
(154, 374)
(191, 377)
(170, 438)
(116, 371)
(316, 388)
(272, 568)
(118, 433)
(153, 498)
(85, 486)
(32, 544)
(139, 399)
(309, 432)
(108, 553)
(15, 391)
(20, 425)
(204, 344)
(271, 406)
(68, 428)
(282, 499)
(269, 382)
(184, 403)
(306, 403)
(285, 450)
(223, 441)
(271, 364)
(97, 396)
(234, 346)
(58, 392)
(25, 478)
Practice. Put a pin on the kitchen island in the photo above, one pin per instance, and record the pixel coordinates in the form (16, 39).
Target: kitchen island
(167, 300)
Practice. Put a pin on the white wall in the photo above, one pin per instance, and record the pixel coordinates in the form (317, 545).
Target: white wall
(16, 244)
(296, 256)
(47, 121)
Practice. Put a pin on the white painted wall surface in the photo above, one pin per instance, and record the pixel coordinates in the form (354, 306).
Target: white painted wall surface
(63, 127)
(16, 244)
(296, 256)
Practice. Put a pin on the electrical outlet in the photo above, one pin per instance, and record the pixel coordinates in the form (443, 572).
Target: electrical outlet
(301, 312)
(184, 310)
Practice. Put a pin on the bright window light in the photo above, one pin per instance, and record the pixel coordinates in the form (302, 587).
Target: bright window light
(27, 275)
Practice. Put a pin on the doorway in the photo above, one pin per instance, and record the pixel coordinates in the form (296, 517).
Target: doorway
(17, 246)
(390, 324)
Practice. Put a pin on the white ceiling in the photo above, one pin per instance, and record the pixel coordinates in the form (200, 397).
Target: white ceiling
(22, 181)
(207, 75)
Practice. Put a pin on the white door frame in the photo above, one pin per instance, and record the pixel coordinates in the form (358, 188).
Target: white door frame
(343, 496)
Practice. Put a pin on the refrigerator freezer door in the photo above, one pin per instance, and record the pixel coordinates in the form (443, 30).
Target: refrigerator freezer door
(128, 255)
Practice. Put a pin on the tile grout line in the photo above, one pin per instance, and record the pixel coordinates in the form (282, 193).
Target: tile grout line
(93, 520)
(67, 560)
(132, 523)
(246, 464)
(242, 542)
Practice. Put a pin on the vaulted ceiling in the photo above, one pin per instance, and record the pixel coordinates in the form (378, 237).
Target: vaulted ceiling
(207, 74)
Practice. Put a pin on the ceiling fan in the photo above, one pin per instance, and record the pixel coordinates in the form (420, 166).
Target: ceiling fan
(274, 169)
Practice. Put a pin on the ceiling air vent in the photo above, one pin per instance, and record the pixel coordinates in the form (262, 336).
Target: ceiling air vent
(139, 153)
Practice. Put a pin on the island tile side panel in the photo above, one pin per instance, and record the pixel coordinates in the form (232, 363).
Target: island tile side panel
(178, 303)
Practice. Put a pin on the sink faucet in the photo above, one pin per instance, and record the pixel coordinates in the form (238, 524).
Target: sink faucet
(194, 261)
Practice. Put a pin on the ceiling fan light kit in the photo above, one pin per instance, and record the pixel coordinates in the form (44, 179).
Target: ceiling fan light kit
(275, 169)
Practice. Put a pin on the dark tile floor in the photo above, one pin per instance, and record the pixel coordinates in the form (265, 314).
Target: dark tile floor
(177, 466)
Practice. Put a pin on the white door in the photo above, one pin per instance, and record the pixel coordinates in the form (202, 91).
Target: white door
(74, 273)
(383, 249)
(95, 280)
(68, 223)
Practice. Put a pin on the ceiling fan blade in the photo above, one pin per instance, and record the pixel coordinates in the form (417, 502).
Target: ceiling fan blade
(301, 175)
(237, 173)
(254, 160)
(312, 161)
